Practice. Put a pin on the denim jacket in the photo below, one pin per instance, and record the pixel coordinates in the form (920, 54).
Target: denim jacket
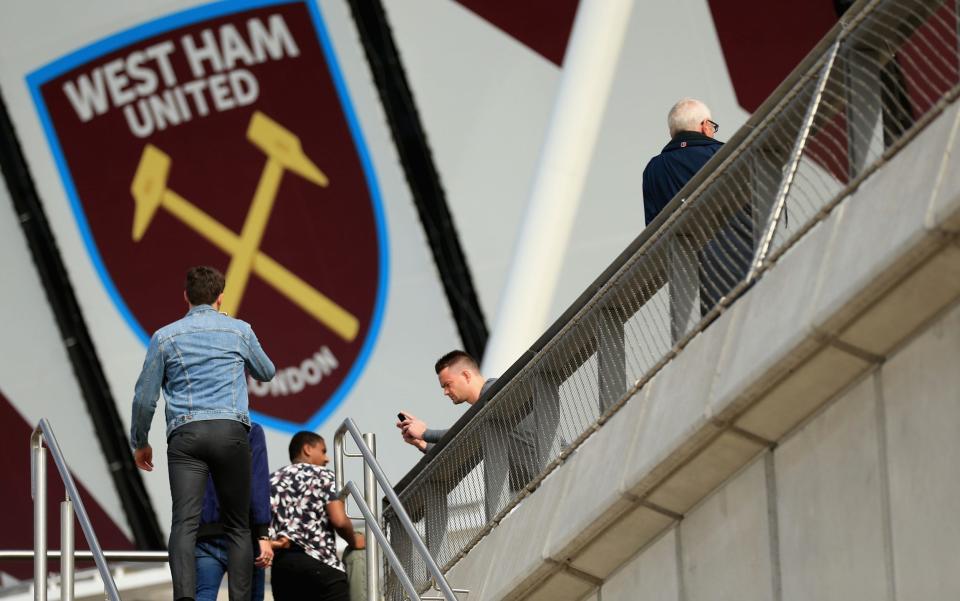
(199, 362)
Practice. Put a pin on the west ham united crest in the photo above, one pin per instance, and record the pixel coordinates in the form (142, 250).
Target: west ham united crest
(225, 136)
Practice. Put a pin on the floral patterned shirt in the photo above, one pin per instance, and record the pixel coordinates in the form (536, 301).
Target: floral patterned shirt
(299, 494)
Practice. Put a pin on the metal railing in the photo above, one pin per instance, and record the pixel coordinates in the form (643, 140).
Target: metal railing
(38, 487)
(369, 499)
(878, 78)
(373, 474)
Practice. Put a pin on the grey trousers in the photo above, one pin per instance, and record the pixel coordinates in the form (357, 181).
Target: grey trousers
(355, 561)
(219, 448)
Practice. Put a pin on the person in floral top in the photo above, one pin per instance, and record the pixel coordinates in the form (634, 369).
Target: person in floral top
(305, 513)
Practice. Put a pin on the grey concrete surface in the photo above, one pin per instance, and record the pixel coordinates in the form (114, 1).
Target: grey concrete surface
(830, 508)
(726, 542)
(597, 471)
(802, 391)
(620, 541)
(891, 205)
(704, 472)
(921, 396)
(676, 417)
(651, 576)
(784, 326)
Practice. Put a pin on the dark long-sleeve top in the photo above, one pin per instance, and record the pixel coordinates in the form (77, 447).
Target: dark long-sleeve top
(522, 434)
(668, 172)
(210, 524)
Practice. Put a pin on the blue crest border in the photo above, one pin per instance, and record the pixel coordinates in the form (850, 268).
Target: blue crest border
(188, 17)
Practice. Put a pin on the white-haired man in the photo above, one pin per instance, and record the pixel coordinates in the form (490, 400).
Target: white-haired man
(691, 145)
(726, 254)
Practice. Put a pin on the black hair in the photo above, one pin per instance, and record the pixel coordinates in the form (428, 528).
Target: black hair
(300, 439)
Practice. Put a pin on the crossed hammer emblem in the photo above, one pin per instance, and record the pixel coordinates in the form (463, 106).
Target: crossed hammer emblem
(284, 153)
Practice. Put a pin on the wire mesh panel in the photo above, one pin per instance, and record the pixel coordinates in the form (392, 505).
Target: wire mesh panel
(871, 85)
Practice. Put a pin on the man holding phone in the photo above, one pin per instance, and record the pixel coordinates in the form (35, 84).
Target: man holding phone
(461, 382)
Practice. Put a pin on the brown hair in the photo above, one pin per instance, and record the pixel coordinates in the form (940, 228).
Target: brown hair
(454, 357)
(204, 285)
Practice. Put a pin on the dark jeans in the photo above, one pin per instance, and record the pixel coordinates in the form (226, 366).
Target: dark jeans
(211, 554)
(218, 448)
(297, 576)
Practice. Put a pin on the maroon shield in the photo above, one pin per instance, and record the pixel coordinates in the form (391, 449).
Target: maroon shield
(224, 136)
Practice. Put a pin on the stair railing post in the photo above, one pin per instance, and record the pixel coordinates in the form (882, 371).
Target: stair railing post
(370, 495)
(67, 546)
(38, 459)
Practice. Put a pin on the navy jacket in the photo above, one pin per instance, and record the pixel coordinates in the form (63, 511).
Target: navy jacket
(670, 170)
(259, 492)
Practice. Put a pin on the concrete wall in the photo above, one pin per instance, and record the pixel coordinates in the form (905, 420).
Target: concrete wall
(801, 447)
(858, 503)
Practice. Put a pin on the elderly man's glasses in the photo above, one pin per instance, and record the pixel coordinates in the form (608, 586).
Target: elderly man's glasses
(713, 124)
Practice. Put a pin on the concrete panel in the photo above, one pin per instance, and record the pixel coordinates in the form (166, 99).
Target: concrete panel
(562, 586)
(704, 472)
(920, 388)
(774, 328)
(944, 211)
(620, 541)
(525, 532)
(886, 205)
(726, 542)
(829, 490)
(799, 394)
(472, 572)
(903, 310)
(650, 576)
(675, 422)
(591, 500)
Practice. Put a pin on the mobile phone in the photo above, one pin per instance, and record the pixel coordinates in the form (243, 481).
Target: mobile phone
(401, 416)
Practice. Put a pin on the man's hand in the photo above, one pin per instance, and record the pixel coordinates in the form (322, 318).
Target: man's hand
(144, 458)
(417, 442)
(265, 558)
(359, 542)
(281, 543)
(403, 423)
(412, 427)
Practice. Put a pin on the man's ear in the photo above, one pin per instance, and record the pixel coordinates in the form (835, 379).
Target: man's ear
(467, 375)
(219, 301)
(186, 299)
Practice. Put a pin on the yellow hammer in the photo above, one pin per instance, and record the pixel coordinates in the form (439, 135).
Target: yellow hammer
(150, 192)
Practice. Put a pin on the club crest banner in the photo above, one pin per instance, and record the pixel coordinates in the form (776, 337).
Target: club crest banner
(224, 135)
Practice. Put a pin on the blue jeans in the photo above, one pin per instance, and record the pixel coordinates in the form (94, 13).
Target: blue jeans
(211, 554)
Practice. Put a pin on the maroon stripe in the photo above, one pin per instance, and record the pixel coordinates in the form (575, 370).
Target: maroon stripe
(16, 504)
(542, 25)
(763, 41)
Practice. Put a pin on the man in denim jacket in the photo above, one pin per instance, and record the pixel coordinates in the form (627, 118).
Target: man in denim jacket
(199, 361)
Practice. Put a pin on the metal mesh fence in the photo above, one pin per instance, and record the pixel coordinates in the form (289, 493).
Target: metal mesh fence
(871, 85)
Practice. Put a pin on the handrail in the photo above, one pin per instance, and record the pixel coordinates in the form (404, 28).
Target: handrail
(351, 489)
(370, 495)
(370, 460)
(44, 434)
(779, 204)
(111, 556)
